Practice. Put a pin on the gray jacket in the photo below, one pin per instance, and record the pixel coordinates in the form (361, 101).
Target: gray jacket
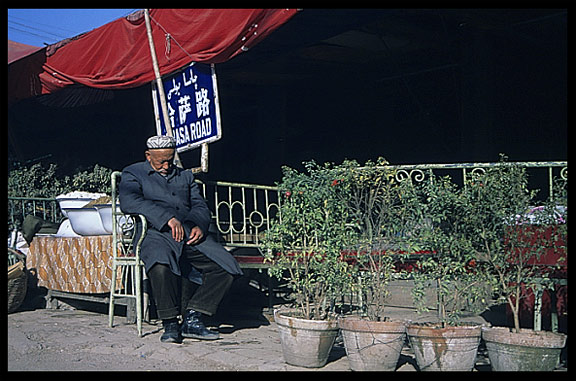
(144, 191)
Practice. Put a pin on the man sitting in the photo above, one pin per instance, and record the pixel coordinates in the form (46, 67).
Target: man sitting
(178, 253)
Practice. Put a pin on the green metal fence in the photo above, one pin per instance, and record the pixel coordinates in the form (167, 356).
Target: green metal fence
(45, 208)
(242, 212)
(542, 174)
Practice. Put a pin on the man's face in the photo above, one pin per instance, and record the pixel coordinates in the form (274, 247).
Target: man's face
(161, 159)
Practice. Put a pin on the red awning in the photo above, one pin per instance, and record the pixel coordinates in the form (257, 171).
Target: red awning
(117, 55)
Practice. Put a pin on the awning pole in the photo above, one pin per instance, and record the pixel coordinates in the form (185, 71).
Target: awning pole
(159, 84)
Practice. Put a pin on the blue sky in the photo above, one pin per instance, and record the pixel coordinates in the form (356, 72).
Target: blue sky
(38, 27)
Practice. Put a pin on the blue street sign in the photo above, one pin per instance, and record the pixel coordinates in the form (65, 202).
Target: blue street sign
(193, 109)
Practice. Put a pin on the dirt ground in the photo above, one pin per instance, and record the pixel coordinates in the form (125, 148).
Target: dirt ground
(68, 340)
(78, 338)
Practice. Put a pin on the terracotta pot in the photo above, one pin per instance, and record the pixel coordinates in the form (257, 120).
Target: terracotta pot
(305, 343)
(526, 350)
(372, 345)
(444, 349)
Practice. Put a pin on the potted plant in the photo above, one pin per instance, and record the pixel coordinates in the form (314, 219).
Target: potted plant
(380, 213)
(447, 344)
(305, 249)
(511, 242)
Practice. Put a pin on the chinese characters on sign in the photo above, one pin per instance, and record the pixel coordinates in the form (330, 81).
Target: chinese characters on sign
(191, 98)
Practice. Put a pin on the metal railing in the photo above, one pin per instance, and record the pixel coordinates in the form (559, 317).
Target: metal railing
(243, 212)
(20, 207)
(542, 173)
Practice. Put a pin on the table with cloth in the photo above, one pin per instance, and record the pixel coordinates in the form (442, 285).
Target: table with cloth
(72, 264)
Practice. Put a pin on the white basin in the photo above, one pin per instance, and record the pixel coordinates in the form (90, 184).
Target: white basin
(65, 230)
(86, 221)
(76, 200)
(105, 211)
(72, 203)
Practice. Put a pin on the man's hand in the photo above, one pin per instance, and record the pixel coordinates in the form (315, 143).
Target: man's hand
(196, 235)
(177, 229)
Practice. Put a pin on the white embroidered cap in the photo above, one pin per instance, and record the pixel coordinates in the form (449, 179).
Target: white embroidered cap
(160, 141)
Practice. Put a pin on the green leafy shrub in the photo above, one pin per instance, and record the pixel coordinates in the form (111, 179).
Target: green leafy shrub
(305, 246)
(452, 267)
(386, 215)
(341, 229)
(35, 181)
(40, 181)
(510, 231)
(96, 180)
(487, 240)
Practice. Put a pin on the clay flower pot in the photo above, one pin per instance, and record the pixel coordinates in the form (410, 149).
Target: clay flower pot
(526, 350)
(372, 345)
(305, 343)
(444, 349)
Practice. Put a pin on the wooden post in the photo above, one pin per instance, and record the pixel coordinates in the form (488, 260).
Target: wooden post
(203, 160)
(159, 84)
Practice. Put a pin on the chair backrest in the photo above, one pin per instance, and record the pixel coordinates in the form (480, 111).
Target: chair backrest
(128, 230)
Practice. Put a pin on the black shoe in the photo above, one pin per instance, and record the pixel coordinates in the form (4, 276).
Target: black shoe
(171, 332)
(194, 328)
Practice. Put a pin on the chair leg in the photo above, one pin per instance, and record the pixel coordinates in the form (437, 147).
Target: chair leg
(138, 280)
(112, 291)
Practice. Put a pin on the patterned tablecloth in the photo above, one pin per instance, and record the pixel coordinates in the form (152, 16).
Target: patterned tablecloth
(72, 264)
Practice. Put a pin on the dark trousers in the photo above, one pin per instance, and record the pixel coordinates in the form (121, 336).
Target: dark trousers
(174, 294)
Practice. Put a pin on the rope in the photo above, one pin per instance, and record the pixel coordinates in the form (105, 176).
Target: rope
(167, 46)
(170, 38)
